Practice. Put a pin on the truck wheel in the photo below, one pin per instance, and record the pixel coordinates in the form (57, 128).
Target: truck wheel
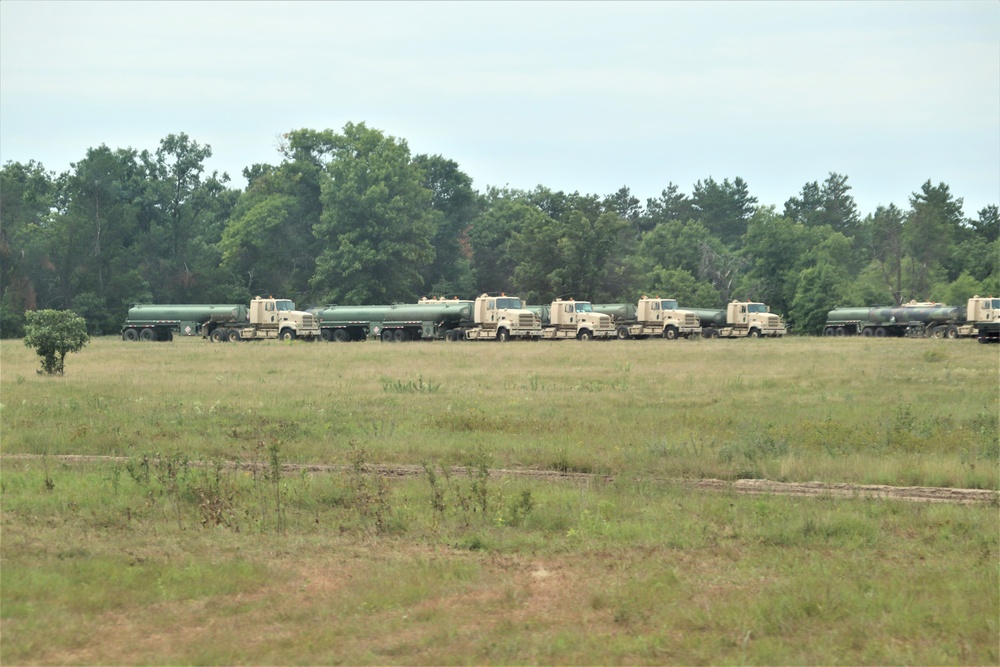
(147, 335)
(341, 336)
(585, 335)
(400, 336)
(880, 332)
(951, 333)
(755, 333)
(217, 336)
(829, 331)
(233, 336)
(287, 335)
(670, 333)
(623, 333)
(867, 332)
(326, 335)
(841, 332)
(386, 336)
(503, 335)
(130, 335)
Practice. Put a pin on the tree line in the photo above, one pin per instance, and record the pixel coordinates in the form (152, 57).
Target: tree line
(352, 217)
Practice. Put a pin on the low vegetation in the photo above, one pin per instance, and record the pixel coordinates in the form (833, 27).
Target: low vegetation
(192, 542)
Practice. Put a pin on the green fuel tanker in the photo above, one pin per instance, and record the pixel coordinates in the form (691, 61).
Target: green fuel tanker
(980, 318)
(264, 318)
(488, 317)
(740, 319)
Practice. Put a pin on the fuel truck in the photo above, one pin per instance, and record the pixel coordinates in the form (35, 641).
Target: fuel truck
(568, 318)
(652, 316)
(740, 319)
(265, 318)
(488, 317)
(979, 319)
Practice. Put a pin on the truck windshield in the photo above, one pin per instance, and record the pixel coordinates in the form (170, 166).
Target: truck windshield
(668, 304)
(284, 305)
(995, 305)
(756, 308)
(584, 307)
(509, 302)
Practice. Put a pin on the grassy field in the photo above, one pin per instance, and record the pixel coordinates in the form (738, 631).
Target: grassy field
(168, 554)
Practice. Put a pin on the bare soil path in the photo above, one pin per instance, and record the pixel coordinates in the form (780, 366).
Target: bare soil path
(745, 486)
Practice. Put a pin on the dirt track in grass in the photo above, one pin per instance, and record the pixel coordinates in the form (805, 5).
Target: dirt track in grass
(743, 486)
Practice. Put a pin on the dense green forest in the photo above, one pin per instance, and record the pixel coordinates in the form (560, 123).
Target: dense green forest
(351, 217)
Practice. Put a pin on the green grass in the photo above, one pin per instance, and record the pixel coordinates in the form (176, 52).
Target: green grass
(152, 559)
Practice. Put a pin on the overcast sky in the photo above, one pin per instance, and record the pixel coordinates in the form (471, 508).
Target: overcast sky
(584, 97)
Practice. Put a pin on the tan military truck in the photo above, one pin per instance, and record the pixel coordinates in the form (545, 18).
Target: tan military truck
(652, 316)
(740, 319)
(266, 318)
(568, 318)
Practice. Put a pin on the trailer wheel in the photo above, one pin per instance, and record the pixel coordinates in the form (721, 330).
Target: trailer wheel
(829, 331)
(233, 336)
(670, 333)
(880, 332)
(841, 332)
(400, 336)
(585, 335)
(386, 336)
(503, 335)
(341, 335)
(867, 332)
(623, 333)
(130, 335)
(147, 334)
(287, 335)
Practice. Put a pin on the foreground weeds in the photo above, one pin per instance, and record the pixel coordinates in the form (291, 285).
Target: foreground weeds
(351, 567)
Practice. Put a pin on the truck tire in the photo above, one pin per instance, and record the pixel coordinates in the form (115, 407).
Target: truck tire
(326, 335)
(867, 332)
(503, 335)
(217, 336)
(341, 336)
(386, 336)
(754, 333)
(287, 335)
(670, 333)
(880, 332)
(623, 333)
(400, 336)
(585, 335)
(233, 336)
(147, 334)
(951, 333)
(130, 335)
(829, 331)
(841, 332)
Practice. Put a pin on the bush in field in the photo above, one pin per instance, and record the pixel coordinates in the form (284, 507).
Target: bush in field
(53, 334)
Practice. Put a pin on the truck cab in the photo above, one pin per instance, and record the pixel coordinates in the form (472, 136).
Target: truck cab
(270, 317)
(503, 317)
(754, 319)
(569, 318)
(665, 318)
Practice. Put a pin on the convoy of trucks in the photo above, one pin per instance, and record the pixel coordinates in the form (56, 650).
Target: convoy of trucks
(266, 317)
(502, 317)
(980, 319)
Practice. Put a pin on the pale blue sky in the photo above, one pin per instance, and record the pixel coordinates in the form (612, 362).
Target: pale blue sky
(573, 96)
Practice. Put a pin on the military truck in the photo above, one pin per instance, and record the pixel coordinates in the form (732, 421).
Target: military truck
(488, 317)
(265, 318)
(740, 319)
(916, 319)
(652, 316)
(568, 318)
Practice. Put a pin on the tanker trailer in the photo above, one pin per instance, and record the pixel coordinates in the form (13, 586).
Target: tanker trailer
(348, 323)
(148, 322)
(910, 319)
(622, 316)
(429, 319)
